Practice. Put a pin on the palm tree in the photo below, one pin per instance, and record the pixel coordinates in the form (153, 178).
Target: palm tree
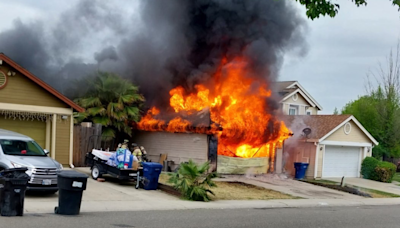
(112, 102)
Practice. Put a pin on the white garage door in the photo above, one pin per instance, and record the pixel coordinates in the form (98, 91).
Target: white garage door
(341, 161)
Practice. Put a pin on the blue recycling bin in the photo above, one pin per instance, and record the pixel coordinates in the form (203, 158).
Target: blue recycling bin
(301, 168)
(151, 173)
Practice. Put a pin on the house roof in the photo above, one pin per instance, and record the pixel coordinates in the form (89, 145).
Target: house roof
(288, 88)
(322, 126)
(282, 85)
(41, 83)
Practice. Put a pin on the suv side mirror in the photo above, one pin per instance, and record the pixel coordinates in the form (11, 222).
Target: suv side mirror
(46, 151)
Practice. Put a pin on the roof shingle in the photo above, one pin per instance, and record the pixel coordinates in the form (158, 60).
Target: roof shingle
(320, 124)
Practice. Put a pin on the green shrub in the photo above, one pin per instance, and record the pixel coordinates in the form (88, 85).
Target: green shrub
(193, 181)
(385, 172)
(373, 169)
(368, 168)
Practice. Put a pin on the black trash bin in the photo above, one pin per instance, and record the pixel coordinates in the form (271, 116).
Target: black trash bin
(13, 184)
(71, 185)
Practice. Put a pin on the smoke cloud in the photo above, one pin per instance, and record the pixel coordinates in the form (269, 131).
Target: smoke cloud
(159, 45)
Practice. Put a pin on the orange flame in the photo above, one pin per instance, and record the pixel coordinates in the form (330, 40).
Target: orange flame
(237, 103)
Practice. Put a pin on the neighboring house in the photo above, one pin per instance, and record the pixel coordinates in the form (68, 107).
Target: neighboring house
(335, 147)
(31, 107)
(295, 100)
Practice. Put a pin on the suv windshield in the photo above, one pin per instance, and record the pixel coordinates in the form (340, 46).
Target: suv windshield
(21, 148)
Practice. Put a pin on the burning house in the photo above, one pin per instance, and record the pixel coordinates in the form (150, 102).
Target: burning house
(233, 115)
(221, 106)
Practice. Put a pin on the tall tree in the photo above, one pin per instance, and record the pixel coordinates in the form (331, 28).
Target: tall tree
(379, 111)
(111, 101)
(335, 111)
(317, 8)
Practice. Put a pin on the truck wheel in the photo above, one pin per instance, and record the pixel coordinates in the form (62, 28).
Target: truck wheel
(96, 172)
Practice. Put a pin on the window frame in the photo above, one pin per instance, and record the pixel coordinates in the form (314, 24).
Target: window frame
(295, 108)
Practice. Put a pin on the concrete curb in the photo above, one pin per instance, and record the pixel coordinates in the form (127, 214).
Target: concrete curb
(104, 206)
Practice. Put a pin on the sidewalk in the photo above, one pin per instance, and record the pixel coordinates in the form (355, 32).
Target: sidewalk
(364, 183)
(104, 206)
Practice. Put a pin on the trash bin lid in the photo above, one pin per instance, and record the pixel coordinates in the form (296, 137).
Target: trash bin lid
(72, 174)
(14, 173)
(301, 163)
(151, 165)
(22, 169)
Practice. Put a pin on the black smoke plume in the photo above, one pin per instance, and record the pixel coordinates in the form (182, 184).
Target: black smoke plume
(160, 45)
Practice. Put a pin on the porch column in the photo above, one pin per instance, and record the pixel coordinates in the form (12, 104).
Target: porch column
(48, 134)
(53, 136)
(71, 141)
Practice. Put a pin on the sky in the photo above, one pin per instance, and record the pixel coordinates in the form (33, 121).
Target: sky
(342, 50)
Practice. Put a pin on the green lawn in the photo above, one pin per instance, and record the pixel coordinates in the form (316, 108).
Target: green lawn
(397, 177)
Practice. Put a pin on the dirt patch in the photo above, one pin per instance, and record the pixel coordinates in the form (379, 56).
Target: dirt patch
(163, 179)
(232, 191)
(243, 191)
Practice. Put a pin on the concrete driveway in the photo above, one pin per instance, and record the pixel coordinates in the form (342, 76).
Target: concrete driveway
(375, 185)
(292, 187)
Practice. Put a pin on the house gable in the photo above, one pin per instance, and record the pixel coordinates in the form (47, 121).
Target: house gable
(288, 89)
(297, 99)
(348, 126)
(21, 90)
(349, 132)
(24, 88)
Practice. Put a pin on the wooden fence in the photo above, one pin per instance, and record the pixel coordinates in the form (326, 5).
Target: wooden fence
(85, 139)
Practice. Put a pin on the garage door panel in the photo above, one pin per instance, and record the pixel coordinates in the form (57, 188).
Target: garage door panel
(180, 147)
(341, 161)
(34, 129)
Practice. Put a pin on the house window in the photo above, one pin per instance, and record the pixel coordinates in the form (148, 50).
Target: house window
(308, 112)
(347, 128)
(293, 110)
(295, 97)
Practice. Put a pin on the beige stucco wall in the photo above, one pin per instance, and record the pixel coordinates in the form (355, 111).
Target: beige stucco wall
(21, 90)
(300, 100)
(355, 135)
(314, 110)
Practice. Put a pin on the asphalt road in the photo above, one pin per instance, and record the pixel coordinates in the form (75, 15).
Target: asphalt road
(322, 217)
